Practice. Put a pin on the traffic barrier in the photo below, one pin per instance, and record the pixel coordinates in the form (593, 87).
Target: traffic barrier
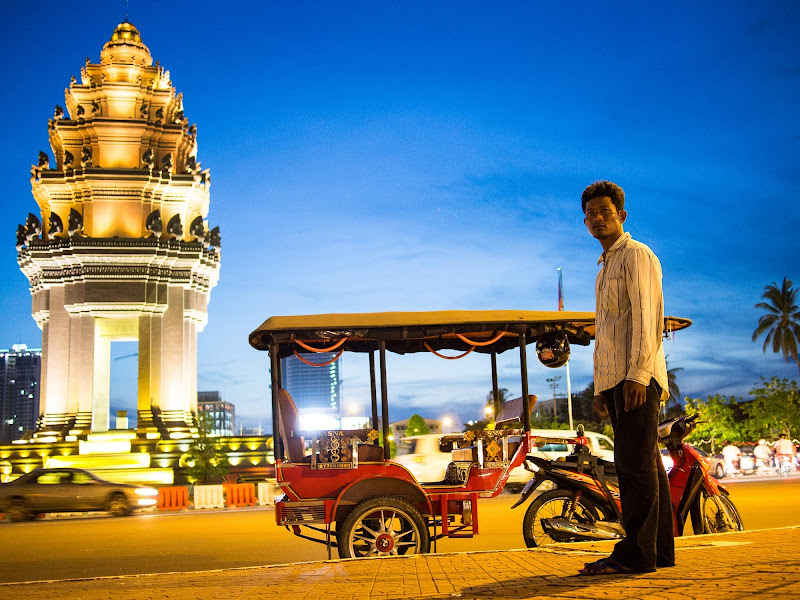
(240, 494)
(173, 497)
(267, 490)
(209, 496)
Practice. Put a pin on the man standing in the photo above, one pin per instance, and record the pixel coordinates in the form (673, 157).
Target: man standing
(630, 378)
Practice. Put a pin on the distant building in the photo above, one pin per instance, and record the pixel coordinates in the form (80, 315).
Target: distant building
(20, 377)
(257, 430)
(399, 429)
(317, 391)
(223, 413)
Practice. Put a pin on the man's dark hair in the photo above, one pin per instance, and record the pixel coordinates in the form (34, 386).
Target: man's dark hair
(604, 188)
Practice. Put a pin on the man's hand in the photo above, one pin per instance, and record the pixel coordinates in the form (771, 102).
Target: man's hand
(600, 407)
(634, 393)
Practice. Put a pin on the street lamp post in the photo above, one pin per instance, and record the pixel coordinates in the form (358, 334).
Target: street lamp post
(553, 381)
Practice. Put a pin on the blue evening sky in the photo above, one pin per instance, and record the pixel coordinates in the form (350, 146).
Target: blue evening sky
(371, 156)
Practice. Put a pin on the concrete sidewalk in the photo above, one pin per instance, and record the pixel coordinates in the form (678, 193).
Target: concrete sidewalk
(748, 564)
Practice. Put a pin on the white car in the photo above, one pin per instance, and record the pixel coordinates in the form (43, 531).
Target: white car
(424, 455)
(557, 445)
(427, 457)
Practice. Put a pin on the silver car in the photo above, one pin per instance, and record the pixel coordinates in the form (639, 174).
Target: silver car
(67, 490)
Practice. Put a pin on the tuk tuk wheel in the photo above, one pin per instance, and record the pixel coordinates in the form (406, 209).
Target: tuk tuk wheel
(383, 526)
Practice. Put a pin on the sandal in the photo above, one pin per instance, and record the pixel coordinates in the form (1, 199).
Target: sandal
(605, 566)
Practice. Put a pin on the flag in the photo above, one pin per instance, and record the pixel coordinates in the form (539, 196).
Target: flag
(560, 291)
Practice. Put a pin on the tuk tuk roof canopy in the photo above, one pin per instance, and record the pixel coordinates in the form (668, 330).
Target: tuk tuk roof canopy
(404, 332)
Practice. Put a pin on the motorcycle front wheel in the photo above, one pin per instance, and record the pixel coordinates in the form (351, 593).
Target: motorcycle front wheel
(549, 505)
(719, 514)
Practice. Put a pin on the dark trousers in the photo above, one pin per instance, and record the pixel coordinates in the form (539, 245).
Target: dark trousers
(643, 483)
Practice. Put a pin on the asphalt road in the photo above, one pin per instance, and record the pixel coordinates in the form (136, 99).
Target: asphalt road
(65, 548)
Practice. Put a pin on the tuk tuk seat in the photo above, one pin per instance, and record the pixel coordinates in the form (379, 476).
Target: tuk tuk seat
(289, 428)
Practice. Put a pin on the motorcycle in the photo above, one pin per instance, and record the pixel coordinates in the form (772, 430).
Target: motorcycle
(585, 502)
(785, 465)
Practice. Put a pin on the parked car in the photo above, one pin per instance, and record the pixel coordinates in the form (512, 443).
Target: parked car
(558, 446)
(715, 463)
(427, 456)
(66, 490)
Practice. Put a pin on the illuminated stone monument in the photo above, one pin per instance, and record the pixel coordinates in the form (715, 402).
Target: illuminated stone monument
(122, 250)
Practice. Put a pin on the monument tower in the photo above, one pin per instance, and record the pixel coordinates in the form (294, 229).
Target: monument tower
(121, 249)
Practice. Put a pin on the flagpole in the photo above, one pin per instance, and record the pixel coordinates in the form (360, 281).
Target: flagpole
(569, 387)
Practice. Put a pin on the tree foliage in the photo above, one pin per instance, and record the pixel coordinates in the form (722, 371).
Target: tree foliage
(502, 396)
(417, 426)
(672, 407)
(478, 425)
(782, 321)
(208, 462)
(775, 409)
(720, 420)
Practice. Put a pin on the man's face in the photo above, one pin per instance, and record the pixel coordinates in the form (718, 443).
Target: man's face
(602, 219)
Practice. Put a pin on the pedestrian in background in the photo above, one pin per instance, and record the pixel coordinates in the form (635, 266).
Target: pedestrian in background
(763, 453)
(784, 451)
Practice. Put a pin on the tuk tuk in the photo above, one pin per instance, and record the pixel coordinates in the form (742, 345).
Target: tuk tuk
(341, 488)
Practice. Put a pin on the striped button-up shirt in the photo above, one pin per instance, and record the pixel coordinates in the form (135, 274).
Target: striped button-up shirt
(629, 317)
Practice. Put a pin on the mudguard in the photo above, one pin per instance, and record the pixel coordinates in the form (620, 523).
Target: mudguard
(530, 487)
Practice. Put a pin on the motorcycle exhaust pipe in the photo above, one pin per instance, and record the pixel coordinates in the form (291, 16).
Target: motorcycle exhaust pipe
(562, 528)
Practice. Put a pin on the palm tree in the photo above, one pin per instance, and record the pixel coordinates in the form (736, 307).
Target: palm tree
(672, 404)
(782, 321)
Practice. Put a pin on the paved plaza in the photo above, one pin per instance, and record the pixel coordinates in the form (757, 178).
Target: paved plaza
(748, 564)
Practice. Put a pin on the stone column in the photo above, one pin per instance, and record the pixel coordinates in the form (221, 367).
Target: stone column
(102, 382)
(81, 367)
(56, 356)
(173, 390)
(144, 393)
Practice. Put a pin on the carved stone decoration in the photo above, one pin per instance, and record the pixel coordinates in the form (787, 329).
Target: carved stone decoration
(193, 129)
(147, 158)
(33, 227)
(196, 229)
(59, 113)
(166, 162)
(144, 110)
(75, 224)
(179, 117)
(153, 223)
(56, 225)
(81, 111)
(86, 157)
(44, 160)
(68, 159)
(192, 166)
(214, 239)
(174, 227)
(21, 241)
(160, 112)
(95, 107)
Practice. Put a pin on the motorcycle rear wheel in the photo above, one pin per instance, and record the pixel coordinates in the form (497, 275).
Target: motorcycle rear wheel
(553, 503)
(719, 514)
